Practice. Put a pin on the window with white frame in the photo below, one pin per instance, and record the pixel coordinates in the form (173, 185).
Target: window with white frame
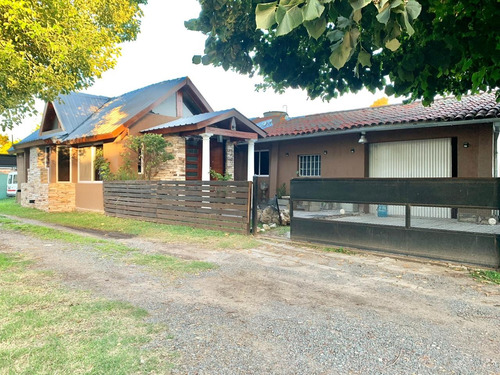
(87, 171)
(309, 165)
(261, 162)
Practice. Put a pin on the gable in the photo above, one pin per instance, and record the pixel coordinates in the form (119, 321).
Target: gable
(50, 120)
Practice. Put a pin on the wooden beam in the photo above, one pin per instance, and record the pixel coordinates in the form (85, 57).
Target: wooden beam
(231, 133)
(179, 103)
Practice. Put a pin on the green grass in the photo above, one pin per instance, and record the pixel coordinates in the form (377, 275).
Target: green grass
(161, 232)
(47, 329)
(128, 254)
(339, 250)
(486, 275)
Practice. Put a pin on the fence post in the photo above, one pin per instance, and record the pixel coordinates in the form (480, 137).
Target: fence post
(255, 198)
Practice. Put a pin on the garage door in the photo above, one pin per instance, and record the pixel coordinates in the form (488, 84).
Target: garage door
(413, 159)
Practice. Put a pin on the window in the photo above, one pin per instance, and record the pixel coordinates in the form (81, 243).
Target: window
(63, 164)
(309, 165)
(261, 162)
(47, 157)
(87, 170)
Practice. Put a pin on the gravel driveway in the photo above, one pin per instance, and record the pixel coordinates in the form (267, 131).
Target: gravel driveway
(286, 309)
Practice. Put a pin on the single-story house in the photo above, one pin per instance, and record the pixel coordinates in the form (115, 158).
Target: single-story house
(56, 162)
(450, 138)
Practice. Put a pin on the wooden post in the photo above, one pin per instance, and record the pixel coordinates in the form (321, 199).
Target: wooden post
(255, 198)
(408, 216)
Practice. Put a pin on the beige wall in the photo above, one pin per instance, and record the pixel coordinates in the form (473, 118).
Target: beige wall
(339, 161)
(89, 196)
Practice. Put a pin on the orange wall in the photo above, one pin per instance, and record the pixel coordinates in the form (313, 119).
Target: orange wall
(89, 196)
(339, 161)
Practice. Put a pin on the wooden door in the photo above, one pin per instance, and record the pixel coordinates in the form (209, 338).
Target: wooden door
(217, 159)
(193, 159)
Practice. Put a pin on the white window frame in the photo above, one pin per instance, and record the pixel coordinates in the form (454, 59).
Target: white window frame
(70, 165)
(309, 165)
(259, 164)
(92, 161)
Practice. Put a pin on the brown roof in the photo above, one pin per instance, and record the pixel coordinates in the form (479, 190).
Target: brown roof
(474, 107)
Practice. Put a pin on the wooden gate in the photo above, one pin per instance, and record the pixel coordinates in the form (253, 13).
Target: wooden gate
(218, 205)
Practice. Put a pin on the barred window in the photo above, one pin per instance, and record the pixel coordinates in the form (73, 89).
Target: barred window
(309, 165)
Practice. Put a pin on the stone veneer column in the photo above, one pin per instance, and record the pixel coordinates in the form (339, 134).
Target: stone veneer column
(230, 159)
(175, 169)
(35, 192)
(205, 158)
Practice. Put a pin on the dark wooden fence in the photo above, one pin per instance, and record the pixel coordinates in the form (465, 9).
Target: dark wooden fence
(218, 205)
(454, 245)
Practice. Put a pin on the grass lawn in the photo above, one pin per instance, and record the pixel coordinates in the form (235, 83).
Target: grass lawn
(47, 329)
(173, 266)
(161, 232)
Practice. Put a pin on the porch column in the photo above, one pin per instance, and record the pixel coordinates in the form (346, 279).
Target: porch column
(205, 157)
(250, 164)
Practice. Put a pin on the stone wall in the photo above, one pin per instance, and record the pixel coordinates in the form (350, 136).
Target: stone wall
(175, 169)
(35, 192)
(61, 197)
(230, 159)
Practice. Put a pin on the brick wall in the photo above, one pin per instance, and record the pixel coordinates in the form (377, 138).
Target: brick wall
(61, 197)
(175, 169)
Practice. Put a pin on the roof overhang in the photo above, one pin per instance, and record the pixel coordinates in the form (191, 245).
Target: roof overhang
(377, 128)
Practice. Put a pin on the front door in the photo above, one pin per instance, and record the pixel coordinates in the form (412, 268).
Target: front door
(193, 159)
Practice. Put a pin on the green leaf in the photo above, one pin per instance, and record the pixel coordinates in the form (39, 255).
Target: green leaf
(413, 8)
(384, 16)
(356, 16)
(408, 26)
(313, 10)
(364, 58)
(344, 51)
(291, 19)
(315, 28)
(396, 3)
(358, 4)
(335, 35)
(265, 15)
(197, 59)
(343, 23)
(381, 5)
(393, 44)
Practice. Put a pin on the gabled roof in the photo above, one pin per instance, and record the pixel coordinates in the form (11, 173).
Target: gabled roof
(474, 107)
(85, 117)
(205, 120)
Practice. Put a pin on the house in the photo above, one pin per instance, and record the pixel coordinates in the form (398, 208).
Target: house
(450, 138)
(56, 163)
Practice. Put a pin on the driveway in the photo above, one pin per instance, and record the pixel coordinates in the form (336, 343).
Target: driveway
(284, 308)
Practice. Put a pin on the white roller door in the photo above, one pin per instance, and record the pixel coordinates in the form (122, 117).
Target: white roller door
(413, 159)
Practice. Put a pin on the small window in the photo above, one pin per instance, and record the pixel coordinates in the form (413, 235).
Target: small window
(261, 162)
(309, 165)
(63, 164)
(87, 169)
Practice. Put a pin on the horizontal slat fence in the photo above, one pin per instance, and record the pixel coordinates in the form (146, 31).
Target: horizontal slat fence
(218, 205)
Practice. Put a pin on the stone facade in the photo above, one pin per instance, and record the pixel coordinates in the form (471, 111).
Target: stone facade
(62, 197)
(35, 192)
(175, 169)
(230, 159)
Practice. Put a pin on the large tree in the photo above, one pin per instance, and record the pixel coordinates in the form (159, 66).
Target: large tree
(331, 47)
(52, 47)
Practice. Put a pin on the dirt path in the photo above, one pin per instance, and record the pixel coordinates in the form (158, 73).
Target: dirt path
(284, 309)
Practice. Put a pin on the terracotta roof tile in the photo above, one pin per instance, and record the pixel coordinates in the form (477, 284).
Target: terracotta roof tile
(473, 107)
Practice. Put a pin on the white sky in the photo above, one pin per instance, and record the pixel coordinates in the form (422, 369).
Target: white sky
(163, 51)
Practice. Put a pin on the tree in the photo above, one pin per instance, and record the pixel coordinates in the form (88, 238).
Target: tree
(336, 47)
(5, 144)
(52, 47)
(380, 102)
(149, 150)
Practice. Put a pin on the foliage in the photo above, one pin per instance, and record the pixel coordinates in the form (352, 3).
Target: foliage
(102, 166)
(281, 191)
(380, 102)
(220, 177)
(453, 49)
(486, 276)
(151, 148)
(5, 144)
(53, 47)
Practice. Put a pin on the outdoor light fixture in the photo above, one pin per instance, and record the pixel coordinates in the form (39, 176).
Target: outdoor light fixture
(325, 152)
(287, 154)
(353, 151)
(466, 144)
(362, 138)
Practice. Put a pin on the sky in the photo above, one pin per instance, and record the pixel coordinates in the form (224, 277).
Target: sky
(164, 50)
